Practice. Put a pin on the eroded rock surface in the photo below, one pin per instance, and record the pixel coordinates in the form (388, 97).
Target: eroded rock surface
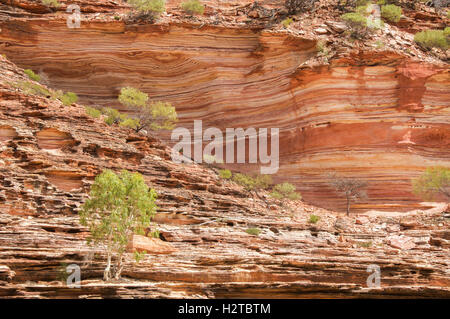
(44, 178)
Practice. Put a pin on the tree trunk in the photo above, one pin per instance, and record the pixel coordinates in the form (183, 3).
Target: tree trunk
(107, 272)
(348, 206)
(119, 267)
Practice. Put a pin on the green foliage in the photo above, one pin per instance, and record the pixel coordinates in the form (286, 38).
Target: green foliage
(132, 98)
(253, 183)
(163, 115)
(138, 256)
(287, 22)
(244, 180)
(32, 88)
(253, 231)
(118, 206)
(113, 116)
(434, 181)
(447, 33)
(92, 112)
(62, 273)
(155, 116)
(154, 7)
(285, 191)
(193, 7)
(155, 234)
(68, 98)
(51, 3)
(31, 75)
(364, 244)
(225, 173)
(432, 39)
(211, 159)
(313, 219)
(391, 12)
(130, 123)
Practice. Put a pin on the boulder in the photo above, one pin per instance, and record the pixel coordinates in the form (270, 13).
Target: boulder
(401, 242)
(149, 245)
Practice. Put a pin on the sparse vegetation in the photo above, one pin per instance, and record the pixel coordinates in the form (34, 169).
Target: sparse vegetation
(253, 231)
(432, 39)
(313, 219)
(285, 191)
(51, 3)
(68, 98)
(193, 7)
(364, 244)
(138, 256)
(391, 12)
(225, 174)
(118, 206)
(287, 22)
(31, 75)
(92, 112)
(154, 116)
(352, 189)
(253, 183)
(434, 181)
(113, 116)
(152, 7)
(32, 88)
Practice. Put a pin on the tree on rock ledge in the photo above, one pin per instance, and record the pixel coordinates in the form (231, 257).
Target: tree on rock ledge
(118, 206)
(435, 180)
(352, 189)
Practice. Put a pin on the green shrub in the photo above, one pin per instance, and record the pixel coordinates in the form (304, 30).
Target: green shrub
(130, 123)
(313, 219)
(434, 181)
(244, 180)
(113, 116)
(285, 191)
(68, 98)
(447, 33)
(31, 75)
(138, 256)
(193, 7)
(119, 205)
(432, 39)
(211, 159)
(391, 12)
(92, 112)
(154, 7)
(51, 3)
(225, 173)
(253, 231)
(32, 88)
(287, 22)
(132, 98)
(155, 116)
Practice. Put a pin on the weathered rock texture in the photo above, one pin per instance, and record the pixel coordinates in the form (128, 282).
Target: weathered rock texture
(377, 116)
(49, 155)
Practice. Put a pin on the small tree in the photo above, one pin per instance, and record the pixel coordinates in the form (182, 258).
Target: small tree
(155, 116)
(118, 206)
(225, 174)
(151, 7)
(434, 181)
(285, 191)
(391, 12)
(353, 189)
(193, 7)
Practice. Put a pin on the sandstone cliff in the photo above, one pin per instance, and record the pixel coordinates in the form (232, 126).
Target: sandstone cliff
(382, 115)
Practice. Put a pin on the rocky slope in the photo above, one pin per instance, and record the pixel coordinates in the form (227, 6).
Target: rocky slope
(50, 153)
(378, 114)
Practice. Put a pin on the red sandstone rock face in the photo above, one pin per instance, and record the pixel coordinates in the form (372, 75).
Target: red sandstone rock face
(350, 117)
(200, 216)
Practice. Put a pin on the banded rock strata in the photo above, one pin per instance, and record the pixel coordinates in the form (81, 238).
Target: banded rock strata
(377, 116)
